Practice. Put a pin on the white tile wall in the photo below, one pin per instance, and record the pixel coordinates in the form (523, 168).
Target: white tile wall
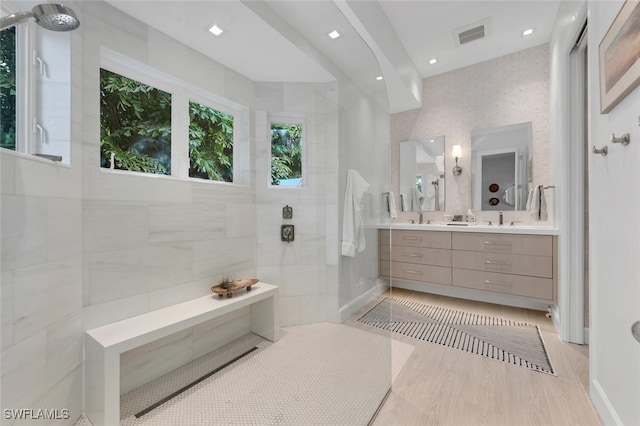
(24, 371)
(46, 293)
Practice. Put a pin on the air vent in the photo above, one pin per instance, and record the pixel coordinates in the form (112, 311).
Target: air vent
(472, 31)
(472, 34)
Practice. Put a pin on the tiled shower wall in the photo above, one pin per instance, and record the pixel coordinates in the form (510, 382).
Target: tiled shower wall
(83, 247)
(506, 90)
(307, 282)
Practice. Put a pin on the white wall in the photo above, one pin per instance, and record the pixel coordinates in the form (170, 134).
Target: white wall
(364, 147)
(299, 267)
(614, 243)
(41, 268)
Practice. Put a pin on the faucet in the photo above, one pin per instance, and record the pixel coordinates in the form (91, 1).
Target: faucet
(420, 217)
(500, 218)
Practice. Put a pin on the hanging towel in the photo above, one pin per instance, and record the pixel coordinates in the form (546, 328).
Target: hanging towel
(416, 199)
(352, 229)
(404, 204)
(537, 203)
(391, 199)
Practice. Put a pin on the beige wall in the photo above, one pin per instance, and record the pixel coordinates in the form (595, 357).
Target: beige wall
(506, 90)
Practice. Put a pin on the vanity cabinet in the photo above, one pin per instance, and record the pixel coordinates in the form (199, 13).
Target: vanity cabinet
(515, 265)
(423, 256)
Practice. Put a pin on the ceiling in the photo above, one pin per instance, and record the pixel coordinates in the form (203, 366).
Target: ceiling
(272, 52)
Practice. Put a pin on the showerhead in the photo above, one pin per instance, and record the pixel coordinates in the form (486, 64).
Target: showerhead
(54, 17)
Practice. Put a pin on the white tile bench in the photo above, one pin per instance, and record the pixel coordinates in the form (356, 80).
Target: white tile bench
(103, 345)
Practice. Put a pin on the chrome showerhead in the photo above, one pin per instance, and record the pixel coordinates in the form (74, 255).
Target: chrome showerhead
(54, 17)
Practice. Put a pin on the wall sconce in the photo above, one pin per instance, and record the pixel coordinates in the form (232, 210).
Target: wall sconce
(457, 153)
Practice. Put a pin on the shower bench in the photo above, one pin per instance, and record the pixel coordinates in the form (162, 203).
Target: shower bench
(105, 344)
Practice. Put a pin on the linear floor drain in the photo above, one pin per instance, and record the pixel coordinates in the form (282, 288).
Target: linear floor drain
(190, 385)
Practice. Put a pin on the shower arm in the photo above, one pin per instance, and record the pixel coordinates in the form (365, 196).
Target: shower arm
(15, 19)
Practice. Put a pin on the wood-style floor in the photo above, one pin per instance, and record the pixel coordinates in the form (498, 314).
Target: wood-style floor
(444, 386)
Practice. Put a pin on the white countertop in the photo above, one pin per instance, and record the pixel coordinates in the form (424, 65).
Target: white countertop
(477, 227)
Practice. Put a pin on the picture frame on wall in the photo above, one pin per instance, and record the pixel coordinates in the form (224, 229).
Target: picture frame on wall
(619, 53)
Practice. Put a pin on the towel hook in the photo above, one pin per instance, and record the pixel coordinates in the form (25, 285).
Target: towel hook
(624, 139)
(602, 151)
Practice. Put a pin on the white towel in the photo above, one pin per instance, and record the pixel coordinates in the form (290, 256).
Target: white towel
(538, 204)
(416, 200)
(391, 199)
(352, 224)
(404, 204)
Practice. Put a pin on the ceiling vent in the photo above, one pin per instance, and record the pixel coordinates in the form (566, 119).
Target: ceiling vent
(472, 34)
(474, 31)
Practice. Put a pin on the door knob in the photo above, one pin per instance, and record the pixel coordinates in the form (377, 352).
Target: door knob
(635, 330)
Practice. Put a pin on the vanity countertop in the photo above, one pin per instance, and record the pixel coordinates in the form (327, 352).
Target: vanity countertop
(469, 227)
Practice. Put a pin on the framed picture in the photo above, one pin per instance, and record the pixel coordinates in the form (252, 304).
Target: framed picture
(619, 53)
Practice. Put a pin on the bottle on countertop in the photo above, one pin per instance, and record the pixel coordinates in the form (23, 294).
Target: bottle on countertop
(470, 216)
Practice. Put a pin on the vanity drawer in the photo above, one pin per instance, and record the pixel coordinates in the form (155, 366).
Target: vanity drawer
(517, 285)
(415, 272)
(431, 239)
(537, 266)
(421, 255)
(537, 245)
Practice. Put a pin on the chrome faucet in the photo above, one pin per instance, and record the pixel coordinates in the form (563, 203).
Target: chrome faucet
(500, 219)
(420, 220)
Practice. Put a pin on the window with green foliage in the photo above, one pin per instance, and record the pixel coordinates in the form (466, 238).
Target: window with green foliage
(8, 88)
(135, 125)
(210, 143)
(286, 154)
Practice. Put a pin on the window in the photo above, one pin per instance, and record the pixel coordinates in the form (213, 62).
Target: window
(8, 89)
(210, 143)
(155, 123)
(135, 125)
(286, 154)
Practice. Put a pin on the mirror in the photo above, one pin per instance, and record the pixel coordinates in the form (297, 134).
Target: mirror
(501, 167)
(422, 174)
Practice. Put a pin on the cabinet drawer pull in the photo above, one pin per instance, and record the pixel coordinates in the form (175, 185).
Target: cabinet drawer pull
(497, 262)
(411, 255)
(497, 243)
(504, 284)
(412, 238)
(410, 271)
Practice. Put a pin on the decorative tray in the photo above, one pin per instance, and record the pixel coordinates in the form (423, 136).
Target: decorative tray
(233, 286)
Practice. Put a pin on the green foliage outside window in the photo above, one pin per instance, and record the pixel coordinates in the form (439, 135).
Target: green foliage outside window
(135, 125)
(210, 143)
(8, 88)
(286, 153)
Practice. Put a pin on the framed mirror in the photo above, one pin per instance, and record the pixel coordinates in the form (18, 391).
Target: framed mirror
(501, 167)
(422, 185)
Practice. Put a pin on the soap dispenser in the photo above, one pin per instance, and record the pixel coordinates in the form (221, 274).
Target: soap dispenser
(470, 216)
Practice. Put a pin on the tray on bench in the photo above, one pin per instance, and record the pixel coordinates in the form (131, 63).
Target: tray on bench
(236, 286)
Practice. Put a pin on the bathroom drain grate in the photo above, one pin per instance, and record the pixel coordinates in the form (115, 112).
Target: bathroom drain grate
(192, 384)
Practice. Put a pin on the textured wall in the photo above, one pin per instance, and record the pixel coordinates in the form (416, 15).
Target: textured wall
(506, 90)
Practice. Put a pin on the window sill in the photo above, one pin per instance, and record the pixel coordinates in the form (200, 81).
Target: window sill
(32, 157)
(168, 177)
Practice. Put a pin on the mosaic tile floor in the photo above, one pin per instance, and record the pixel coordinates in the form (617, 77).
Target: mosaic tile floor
(319, 374)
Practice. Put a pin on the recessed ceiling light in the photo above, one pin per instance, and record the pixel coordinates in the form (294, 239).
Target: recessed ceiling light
(334, 34)
(216, 30)
(527, 32)
(432, 140)
(433, 61)
(379, 78)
